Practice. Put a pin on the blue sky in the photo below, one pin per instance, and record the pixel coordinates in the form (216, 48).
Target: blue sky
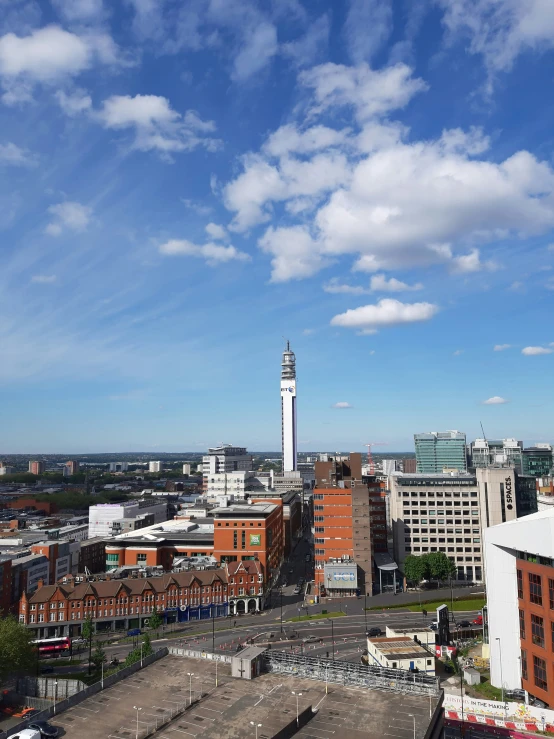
(182, 184)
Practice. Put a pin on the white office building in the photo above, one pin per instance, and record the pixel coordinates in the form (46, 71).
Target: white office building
(103, 515)
(485, 452)
(238, 484)
(224, 459)
(288, 410)
(119, 466)
(186, 468)
(154, 466)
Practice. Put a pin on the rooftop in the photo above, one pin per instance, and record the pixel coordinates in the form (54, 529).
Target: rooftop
(395, 647)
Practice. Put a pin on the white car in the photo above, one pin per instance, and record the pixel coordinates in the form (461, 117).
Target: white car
(26, 734)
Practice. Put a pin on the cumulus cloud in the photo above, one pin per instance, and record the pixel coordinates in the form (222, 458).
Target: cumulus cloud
(531, 351)
(48, 55)
(13, 155)
(74, 103)
(379, 283)
(502, 347)
(258, 49)
(68, 215)
(156, 125)
(336, 287)
(341, 404)
(213, 254)
(44, 279)
(387, 312)
(467, 263)
(294, 255)
(218, 233)
(495, 400)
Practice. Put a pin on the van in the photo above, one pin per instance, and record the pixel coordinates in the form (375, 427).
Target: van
(26, 734)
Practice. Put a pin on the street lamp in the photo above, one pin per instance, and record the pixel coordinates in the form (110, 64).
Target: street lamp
(332, 636)
(55, 694)
(256, 726)
(297, 697)
(190, 674)
(281, 609)
(141, 655)
(365, 610)
(500, 655)
(137, 709)
(412, 715)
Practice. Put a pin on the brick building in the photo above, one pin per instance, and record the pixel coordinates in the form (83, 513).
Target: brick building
(349, 526)
(60, 609)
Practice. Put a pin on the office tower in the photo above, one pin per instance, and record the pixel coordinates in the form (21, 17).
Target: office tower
(154, 466)
(537, 460)
(37, 467)
(72, 467)
(440, 450)
(288, 409)
(389, 466)
(484, 452)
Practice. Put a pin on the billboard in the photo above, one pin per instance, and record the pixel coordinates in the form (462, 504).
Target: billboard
(255, 540)
(341, 577)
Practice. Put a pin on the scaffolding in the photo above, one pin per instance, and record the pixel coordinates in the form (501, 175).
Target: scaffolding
(352, 674)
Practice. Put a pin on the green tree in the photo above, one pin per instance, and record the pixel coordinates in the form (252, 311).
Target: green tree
(87, 632)
(98, 656)
(17, 654)
(440, 566)
(416, 569)
(147, 646)
(136, 654)
(155, 620)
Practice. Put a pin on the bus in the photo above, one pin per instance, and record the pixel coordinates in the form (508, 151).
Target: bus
(53, 647)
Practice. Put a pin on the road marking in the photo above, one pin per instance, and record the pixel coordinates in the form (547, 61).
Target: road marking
(182, 731)
(84, 708)
(206, 708)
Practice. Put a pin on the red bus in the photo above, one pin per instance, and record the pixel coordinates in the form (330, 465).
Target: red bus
(53, 646)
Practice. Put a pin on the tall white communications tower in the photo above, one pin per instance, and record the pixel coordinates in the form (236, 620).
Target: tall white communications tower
(288, 409)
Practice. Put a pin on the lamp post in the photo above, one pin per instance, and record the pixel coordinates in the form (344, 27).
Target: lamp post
(137, 709)
(141, 654)
(190, 674)
(281, 609)
(413, 717)
(216, 673)
(332, 636)
(297, 712)
(213, 629)
(500, 655)
(365, 610)
(102, 680)
(55, 694)
(256, 726)
(326, 678)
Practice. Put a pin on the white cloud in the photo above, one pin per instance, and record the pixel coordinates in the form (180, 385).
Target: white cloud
(379, 283)
(368, 26)
(501, 30)
(74, 103)
(502, 347)
(387, 312)
(44, 279)
(550, 247)
(294, 253)
(290, 139)
(306, 49)
(80, 10)
(341, 404)
(256, 52)
(71, 215)
(214, 254)
(495, 400)
(368, 92)
(15, 156)
(336, 287)
(458, 353)
(471, 262)
(532, 351)
(48, 55)
(156, 125)
(202, 210)
(218, 233)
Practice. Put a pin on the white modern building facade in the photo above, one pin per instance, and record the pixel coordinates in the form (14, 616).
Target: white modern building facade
(484, 452)
(288, 410)
(103, 515)
(154, 466)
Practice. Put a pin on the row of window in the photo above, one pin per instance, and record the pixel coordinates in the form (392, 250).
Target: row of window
(540, 677)
(535, 588)
(443, 494)
(426, 550)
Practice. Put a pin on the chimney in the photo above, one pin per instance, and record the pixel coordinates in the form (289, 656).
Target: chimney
(40, 583)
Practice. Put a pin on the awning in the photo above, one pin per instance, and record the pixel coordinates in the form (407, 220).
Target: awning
(384, 561)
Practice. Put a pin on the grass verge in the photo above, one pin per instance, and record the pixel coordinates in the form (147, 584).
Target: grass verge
(318, 616)
(461, 604)
(486, 690)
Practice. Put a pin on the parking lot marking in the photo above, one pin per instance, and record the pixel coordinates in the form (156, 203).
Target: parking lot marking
(206, 708)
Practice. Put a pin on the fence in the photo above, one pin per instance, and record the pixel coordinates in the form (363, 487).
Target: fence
(87, 692)
(48, 687)
(197, 654)
(350, 673)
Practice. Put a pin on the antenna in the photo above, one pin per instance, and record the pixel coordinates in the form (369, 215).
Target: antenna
(483, 430)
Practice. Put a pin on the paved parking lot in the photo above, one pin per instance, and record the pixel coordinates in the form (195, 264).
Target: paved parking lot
(230, 710)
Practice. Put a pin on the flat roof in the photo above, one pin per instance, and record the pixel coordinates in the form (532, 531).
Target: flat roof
(399, 648)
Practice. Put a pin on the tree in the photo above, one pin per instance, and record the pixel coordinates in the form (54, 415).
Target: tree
(146, 646)
(87, 632)
(99, 656)
(17, 654)
(440, 566)
(136, 654)
(416, 569)
(155, 620)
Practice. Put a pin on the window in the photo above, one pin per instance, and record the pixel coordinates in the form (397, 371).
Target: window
(550, 593)
(535, 589)
(141, 559)
(539, 673)
(521, 624)
(537, 630)
(524, 673)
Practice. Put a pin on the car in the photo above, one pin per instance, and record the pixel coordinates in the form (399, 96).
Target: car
(538, 704)
(374, 631)
(26, 734)
(518, 694)
(46, 670)
(478, 621)
(463, 624)
(296, 591)
(44, 728)
(310, 639)
(434, 625)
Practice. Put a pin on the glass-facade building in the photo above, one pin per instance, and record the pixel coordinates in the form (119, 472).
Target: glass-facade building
(537, 461)
(440, 450)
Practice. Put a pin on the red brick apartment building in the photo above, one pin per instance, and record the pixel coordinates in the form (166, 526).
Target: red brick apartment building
(349, 526)
(59, 610)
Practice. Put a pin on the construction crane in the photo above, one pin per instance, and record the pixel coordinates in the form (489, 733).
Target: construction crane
(370, 456)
